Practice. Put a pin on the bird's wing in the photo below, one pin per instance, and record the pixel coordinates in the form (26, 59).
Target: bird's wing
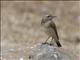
(53, 26)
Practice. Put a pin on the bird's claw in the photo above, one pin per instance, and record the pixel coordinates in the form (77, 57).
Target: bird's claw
(50, 44)
(44, 43)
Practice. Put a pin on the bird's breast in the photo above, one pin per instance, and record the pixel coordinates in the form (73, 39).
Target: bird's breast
(47, 24)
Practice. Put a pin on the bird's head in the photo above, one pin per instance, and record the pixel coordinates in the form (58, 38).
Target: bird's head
(47, 18)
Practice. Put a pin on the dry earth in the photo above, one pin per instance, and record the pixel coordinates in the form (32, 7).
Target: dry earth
(21, 29)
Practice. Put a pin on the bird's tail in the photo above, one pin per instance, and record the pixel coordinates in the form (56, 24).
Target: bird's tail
(58, 43)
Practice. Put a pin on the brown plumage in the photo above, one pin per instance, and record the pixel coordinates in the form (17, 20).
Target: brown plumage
(50, 29)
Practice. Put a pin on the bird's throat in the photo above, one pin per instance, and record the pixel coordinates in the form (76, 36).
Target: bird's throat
(47, 23)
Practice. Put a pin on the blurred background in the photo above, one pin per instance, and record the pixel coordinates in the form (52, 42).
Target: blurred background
(21, 28)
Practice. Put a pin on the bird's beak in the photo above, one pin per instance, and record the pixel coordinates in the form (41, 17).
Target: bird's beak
(54, 16)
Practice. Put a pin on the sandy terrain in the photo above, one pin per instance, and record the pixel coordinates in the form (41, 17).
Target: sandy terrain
(21, 29)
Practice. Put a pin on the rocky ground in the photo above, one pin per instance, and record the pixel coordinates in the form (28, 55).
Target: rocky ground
(21, 29)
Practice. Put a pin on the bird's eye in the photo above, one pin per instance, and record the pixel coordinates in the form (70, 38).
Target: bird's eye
(48, 16)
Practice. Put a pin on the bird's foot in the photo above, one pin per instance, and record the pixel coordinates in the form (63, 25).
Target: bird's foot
(51, 44)
(44, 43)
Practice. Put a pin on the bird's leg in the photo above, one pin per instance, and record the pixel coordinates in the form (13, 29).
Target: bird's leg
(46, 40)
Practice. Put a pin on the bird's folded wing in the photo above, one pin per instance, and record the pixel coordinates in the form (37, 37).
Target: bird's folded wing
(53, 28)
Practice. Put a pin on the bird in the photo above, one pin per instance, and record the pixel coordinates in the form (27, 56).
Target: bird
(50, 29)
